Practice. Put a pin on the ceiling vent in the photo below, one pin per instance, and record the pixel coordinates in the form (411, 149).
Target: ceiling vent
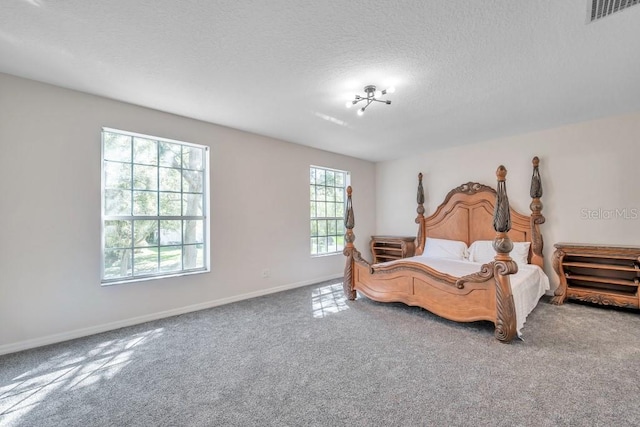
(598, 9)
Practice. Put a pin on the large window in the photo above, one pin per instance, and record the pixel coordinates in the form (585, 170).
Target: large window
(154, 207)
(327, 189)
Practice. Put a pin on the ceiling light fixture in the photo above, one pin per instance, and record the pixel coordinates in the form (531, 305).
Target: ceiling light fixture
(371, 95)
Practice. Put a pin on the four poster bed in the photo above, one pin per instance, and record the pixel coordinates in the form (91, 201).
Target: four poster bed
(463, 269)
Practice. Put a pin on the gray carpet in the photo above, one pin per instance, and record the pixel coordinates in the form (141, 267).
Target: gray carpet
(307, 357)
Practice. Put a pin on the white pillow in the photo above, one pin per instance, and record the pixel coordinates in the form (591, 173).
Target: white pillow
(443, 248)
(482, 251)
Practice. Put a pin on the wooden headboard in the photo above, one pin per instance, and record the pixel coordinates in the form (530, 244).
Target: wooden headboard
(467, 215)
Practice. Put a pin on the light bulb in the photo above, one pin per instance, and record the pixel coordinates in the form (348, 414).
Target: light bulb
(377, 94)
(361, 111)
(348, 104)
(391, 89)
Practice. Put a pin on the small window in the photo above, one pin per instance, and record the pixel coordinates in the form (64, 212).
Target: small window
(154, 207)
(327, 196)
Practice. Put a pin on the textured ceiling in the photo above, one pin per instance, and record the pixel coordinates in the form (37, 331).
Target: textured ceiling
(464, 71)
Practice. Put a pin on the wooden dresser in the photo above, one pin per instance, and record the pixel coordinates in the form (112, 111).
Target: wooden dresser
(599, 274)
(388, 248)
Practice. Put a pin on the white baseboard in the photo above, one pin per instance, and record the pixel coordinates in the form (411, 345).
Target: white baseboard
(79, 333)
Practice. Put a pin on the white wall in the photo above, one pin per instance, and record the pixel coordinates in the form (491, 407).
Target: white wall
(585, 166)
(50, 214)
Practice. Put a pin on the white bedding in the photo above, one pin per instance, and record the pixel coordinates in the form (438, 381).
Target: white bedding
(527, 285)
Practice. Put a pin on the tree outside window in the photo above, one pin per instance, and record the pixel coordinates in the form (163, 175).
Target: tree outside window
(154, 206)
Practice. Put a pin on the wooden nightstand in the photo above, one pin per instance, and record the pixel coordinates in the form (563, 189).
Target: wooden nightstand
(599, 274)
(389, 248)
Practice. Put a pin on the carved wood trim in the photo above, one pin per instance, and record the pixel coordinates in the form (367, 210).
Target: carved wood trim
(418, 268)
(560, 294)
(357, 258)
(537, 242)
(506, 324)
(469, 188)
(348, 282)
(421, 237)
(602, 300)
(486, 272)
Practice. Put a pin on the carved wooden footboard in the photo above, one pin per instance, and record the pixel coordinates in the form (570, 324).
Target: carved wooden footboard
(470, 212)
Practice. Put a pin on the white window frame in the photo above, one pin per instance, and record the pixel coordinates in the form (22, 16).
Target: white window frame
(133, 277)
(316, 234)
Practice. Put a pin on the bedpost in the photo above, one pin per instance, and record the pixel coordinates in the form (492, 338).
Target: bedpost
(506, 328)
(420, 238)
(537, 218)
(349, 249)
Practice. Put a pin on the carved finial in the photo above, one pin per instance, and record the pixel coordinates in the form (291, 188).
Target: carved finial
(501, 213)
(420, 195)
(420, 237)
(536, 181)
(349, 220)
